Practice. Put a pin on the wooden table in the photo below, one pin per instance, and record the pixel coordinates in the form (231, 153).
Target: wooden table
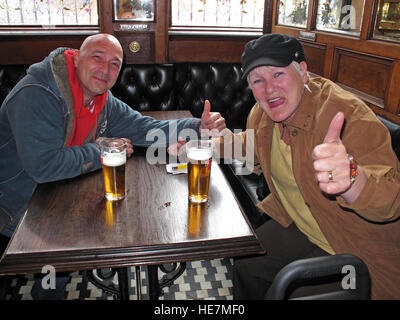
(70, 225)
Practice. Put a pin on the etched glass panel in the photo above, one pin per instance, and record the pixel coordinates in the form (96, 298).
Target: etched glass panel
(217, 13)
(293, 13)
(387, 23)
(48, 12)
(343, 16)
(134, 10)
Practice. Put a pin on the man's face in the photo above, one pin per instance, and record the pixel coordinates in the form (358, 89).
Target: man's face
(278, 90)
(98, 64)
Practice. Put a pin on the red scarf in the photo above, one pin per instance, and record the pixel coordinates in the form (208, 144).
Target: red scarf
(84, 119)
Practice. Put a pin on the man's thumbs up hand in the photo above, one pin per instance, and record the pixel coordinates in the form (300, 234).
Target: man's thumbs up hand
(212, 123)
(331, 163)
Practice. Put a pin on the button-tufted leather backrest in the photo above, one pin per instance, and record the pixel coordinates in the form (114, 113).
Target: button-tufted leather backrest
(147, 87)
(186, 86)
(9, 76)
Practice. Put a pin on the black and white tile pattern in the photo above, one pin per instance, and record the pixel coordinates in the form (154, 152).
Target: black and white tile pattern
(202, 280)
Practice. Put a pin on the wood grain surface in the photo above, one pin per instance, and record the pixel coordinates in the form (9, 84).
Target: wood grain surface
(70, 225)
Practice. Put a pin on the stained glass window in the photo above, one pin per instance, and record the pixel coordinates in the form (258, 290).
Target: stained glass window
(342, 16)
(387, 24)
(48, 12)
(217, 13)
(293, 13)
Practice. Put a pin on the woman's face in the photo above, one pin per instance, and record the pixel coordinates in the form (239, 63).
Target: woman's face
(278, 90)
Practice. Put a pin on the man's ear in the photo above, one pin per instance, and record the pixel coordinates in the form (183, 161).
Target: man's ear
(76, 58)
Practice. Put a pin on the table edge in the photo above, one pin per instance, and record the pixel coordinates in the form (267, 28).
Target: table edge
(130, 256)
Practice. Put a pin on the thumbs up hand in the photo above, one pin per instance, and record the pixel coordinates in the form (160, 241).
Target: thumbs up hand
(331, 163)
(335, 128)
(212, 123)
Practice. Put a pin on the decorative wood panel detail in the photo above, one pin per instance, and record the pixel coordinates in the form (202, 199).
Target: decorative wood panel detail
(138, 47)
(206, 49)
(393, 97)
(315, 55)
(367, 75)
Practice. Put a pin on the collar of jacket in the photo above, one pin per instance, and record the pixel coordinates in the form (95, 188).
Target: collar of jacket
(60, 73)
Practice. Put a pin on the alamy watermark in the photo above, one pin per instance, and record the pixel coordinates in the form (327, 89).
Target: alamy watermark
(349, 280)
(49, 280)
(349, 18)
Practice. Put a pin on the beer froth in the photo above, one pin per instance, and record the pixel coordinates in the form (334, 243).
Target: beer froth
(199, 154)
(114, 159)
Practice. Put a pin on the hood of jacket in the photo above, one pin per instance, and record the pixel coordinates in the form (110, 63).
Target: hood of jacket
(53, 72)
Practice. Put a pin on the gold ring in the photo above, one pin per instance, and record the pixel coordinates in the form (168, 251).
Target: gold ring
(330, 176)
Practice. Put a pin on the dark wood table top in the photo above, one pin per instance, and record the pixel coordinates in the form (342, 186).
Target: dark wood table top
(70, 225)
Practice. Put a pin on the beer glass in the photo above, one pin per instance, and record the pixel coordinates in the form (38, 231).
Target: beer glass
(199, 157)
(113, 160)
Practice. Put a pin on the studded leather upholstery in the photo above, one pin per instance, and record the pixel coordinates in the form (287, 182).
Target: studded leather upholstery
(185, 86)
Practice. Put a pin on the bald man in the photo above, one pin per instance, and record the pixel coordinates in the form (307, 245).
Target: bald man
(51, 120)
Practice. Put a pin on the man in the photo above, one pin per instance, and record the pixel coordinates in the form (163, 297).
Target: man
(50, 121)
(328, 162)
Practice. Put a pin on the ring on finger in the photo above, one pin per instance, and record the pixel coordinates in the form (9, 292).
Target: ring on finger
(330, 176)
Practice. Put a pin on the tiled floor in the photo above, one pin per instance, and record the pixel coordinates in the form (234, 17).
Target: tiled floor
(201, 280)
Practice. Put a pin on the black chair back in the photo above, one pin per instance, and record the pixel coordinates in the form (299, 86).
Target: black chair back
(310, 271)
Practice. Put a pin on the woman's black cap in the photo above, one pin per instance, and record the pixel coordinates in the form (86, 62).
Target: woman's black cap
(272, 49)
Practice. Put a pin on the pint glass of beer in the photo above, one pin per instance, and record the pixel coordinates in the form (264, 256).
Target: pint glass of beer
(113, 160)
(199, 157)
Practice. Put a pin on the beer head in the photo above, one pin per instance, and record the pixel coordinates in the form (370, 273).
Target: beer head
(200, 150)
(113, 159)
(113, 152)
(199, 154)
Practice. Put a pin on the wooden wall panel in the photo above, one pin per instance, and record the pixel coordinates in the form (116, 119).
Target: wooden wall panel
(161, 34)
(144, 52)
(315, 55)
(393, 93)
(206, 49)
(370, 75)
(30, 49)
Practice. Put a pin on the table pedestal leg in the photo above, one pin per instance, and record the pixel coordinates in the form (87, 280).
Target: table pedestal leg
(154, 287)
(172, 272)
(103, 280)
(123, 283)
(138, 283)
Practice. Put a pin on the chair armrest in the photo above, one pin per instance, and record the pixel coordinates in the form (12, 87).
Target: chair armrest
(308, 270)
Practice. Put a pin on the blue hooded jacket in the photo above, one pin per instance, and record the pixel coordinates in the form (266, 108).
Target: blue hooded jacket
(36, 122)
